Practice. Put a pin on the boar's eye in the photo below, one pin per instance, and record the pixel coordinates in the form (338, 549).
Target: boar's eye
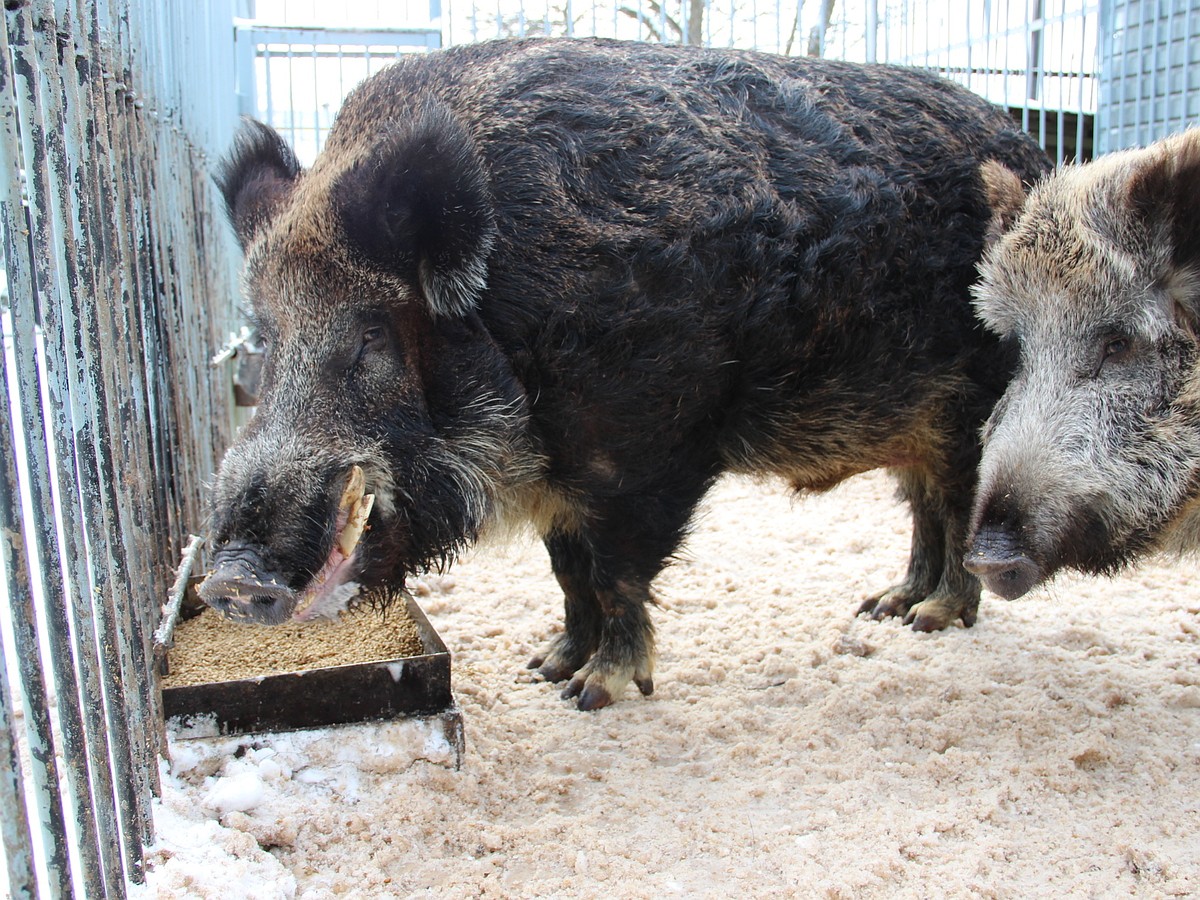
(1115, 349)
(374, 337)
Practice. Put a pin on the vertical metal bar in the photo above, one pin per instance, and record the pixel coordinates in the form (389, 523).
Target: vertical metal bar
(120, 383)
(265, 56)
(53, 264)
(1185, 74)
(139, 356)
(90, 448)
(341, 70)
(1131, 59)
(1083, 81)
(1061, 104)
(14, 539)
(1107, 79)
(970, 38)
(872, 35)
(108, 533)
(108, 571)
(1157, 88)
(291, 94)
(14, 821)
(317, 137)
(18, 836)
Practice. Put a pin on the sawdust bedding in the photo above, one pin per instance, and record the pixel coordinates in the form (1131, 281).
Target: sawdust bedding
(790, 749)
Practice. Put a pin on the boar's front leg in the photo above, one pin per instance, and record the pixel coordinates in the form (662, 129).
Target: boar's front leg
(937, 591)
(608, 638)
(567, 653)
(605, 563)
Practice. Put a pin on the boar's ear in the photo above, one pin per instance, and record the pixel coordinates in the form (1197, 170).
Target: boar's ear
(1005, 195)
(1164, 193)
(255, 177)
(419, 205)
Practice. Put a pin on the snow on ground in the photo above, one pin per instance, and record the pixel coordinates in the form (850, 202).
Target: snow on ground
(790, 749)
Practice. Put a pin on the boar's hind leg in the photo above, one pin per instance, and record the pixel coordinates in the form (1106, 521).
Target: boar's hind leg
(608, 638)
(937, 591)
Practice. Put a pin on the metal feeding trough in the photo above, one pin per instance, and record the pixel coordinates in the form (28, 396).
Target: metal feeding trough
(409, 687)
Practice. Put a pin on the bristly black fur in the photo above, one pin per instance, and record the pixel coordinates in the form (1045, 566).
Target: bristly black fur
(258, 168)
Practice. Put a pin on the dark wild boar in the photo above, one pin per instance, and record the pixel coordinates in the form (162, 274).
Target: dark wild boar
(571, 283)
(1092, 457)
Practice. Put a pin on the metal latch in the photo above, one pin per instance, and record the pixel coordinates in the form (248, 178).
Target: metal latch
(245, 348)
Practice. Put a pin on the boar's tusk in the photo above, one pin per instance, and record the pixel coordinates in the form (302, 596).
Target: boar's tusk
(355, 485)
(356, 521)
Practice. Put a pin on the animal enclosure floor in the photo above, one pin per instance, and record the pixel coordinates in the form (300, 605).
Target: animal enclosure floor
(789, 749)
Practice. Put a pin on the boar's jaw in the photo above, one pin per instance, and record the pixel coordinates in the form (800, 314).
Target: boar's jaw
(242, 586)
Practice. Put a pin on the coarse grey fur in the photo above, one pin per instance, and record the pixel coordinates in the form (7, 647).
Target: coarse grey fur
(1092, 457)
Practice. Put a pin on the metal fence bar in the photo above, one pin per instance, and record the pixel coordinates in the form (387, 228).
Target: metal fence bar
(95, 441)
(118, 333)
(69, 173)
(14, 537)
(14, 826)
(53, 253)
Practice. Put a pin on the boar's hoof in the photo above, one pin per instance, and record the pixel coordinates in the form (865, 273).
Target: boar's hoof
(553, 672)
(933, 613)
(597, 685)
(590, 696)
(893, 602)
(562, 659)
(937, 613)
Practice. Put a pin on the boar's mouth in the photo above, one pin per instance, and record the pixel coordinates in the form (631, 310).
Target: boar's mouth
(243, 586)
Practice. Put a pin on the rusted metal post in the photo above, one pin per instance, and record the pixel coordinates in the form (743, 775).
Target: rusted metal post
(14, 824)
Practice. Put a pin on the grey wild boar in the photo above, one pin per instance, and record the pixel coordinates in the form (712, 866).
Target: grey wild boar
(1092, 457)
(571, 283)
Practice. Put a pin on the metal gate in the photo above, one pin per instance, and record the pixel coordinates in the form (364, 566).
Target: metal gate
(120, 282)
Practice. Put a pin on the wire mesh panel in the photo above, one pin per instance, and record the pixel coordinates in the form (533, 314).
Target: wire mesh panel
(295, 79)
(1037, 58)
(1151, 62)
(120, 282)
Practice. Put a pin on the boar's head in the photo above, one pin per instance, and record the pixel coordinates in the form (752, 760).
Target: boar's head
(363, 274)
(1092, 456)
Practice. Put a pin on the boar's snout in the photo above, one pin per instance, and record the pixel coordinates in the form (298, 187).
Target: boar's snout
(997, 559)
(241, 586)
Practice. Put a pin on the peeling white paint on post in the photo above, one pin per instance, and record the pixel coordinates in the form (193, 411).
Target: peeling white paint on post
(123, 266)
(18, 842)
(28, 308)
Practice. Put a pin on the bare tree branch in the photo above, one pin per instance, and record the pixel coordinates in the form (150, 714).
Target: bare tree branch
(816, 37)
(787, 48)
(649, 23)
(695, 23)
